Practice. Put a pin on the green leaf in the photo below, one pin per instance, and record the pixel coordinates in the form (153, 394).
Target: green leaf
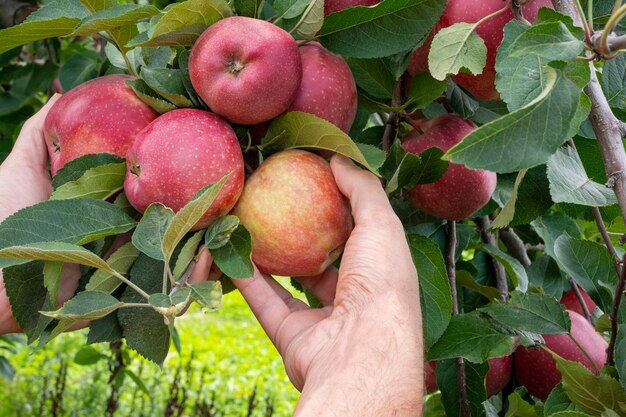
(234, 258)
(99, 183)
(67, 221)
(7, 371)
(373, 76)
(466, 279)
(312, 20)
(97, 5)
(461, 102)
(569, 182)
(526, 137)
(52, 274)
(506, 215)
(208, 294)
(532, 313)
(186, 255)
(551, 227)
(472, 337)
(137, 380)
(591, 393)
(77, 70)
(88, 355)
(50, 251)
(150, 97)
(86, 305)
(121, 260)
(391, 27)
(219, 232)
(558, 401)
(170, 305)
(303, 130)
(620, 354)
(435, 297)
(514, 269)
(106, 329)
(76, 168)
(424, 90)
(457, 48)
(188, 216)
(405, 170)
(518, 407)
(249, 8)
(533, 197)
(182, 23)
(544, 273)
(590, 265)
(167, 82)
(148, 236)
(474, 383)
(614, 81)
(114, 17)
(550, 40)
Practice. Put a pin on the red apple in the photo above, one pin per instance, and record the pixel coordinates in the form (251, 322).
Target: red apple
(460, 191)
(536, 369)
(298, 218)
(332, 6)
(570, 301)
(180, 153)
(100, 116)
(497, 378)
(327, 89)
(419, 59)
(482, 86)
(246, 70)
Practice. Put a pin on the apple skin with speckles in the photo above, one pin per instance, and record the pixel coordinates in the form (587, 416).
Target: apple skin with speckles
(102, 115)
(497, 378)
(481, 86)
(298, 219)
(536, 369)
(246, 70)
(570, 301)
(461, 191)
(179, 154)
(327, 89)
(332, 6)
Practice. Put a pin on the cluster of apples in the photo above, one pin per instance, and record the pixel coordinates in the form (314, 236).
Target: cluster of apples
(535, 368)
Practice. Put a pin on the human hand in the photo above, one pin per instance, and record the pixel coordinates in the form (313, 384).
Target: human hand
(361, 354)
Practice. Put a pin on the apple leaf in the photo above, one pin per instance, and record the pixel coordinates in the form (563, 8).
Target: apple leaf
(97, 5)
(52, 271)
(593, 394)
(113, 17)
(620, 354)
(150, 97)
(544, 273)
(252, 8)
(188, 216)
(183, 64)
(77, 70)
(532, 313)
(466, 279)
(569, 182)
(405, 170)
(590, 265)
(170, 305)
(435, 297)
(183, 23)
(148, 236)
(518, 407)
(86, 305)
(390, 27)
(311, 21)
(106, 329)
(474, 382)
(558, 402)
(472, 337)
(550, 227)
(186, 255)
(121, 261)
(234, 258)
(372, 76)
(67, 221)
(88, 355)
(533, 196)
(50, 251)
(457, 48)
(303, 130)
(218, 234)
(513, 267)
(614, 81)
(548, 40)
(506, 215)
(526, 137)
(76, 168)
(208, 294)
(100, 183)
(167, 82)
(424, 90)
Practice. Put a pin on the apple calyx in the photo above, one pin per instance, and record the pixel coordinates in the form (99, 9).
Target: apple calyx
(135, 169)
(235, 66)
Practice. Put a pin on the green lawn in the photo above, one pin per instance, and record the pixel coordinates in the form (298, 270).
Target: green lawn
(231, 354)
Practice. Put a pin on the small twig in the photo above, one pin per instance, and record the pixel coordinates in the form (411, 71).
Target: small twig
(581, 300)
(460, 363)
(483, 224)
(617, 300)
(183, 280)
(392, 121)
(515, 246)
(607, 240)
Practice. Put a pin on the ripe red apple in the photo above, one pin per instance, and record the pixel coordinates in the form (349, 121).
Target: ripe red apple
(332, 6)
(570, 301)
(246, 70)
(419, 59)
(492, 31)
(102, 115)
(298, 218)
(327, 89)
(536, 369)
(497, 378)
(460, 191)
(180, 153)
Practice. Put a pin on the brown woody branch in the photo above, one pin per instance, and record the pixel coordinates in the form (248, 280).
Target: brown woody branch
(394, 118)
(489, 238)
(515, 246)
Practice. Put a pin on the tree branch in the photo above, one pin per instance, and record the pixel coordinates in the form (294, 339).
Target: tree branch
(607, 239)
(394, 118)
(460, 363)
(515, 246)
(617, 300)
(483, 224)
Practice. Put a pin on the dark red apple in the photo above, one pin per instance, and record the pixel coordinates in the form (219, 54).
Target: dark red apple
(180, 153)
(460, 191)
(536, 369)
(246, 70)
(102, 115)
(332, 6)
(497, 378)
(298, 218)
(327, 89)
(419, 59)
(571, 302)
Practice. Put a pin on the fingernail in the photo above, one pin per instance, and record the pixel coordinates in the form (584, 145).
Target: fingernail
(342, 160)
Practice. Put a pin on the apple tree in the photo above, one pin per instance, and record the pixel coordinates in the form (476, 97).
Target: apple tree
(496, 128)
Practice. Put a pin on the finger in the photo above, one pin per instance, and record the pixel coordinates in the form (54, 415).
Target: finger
(202, 268)
(323, 286)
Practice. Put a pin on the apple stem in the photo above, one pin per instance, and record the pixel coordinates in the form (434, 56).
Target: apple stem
(587, 355)
(617, 300)
(135, 169)
(580, 298)
(483, 224)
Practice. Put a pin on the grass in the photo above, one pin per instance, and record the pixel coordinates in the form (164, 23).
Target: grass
(230, 356)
